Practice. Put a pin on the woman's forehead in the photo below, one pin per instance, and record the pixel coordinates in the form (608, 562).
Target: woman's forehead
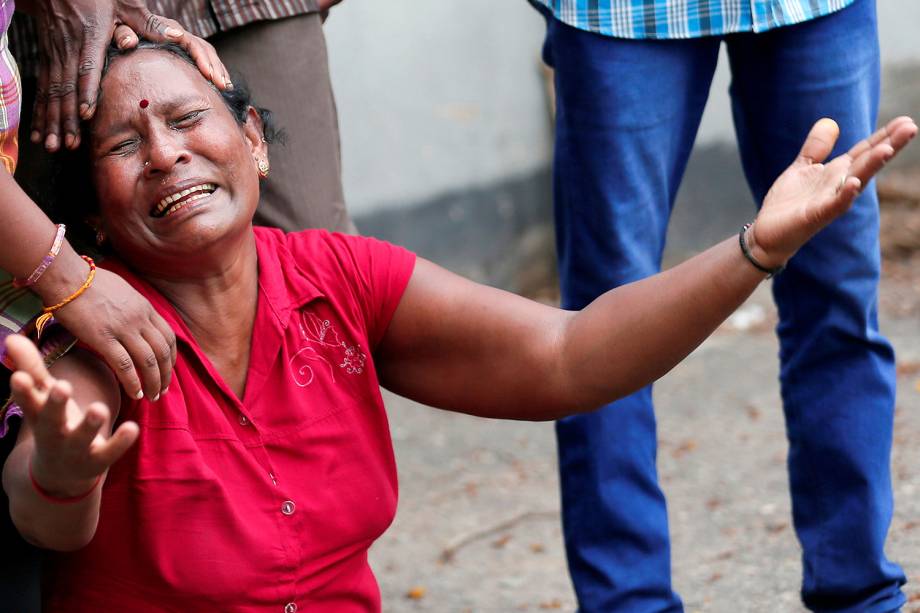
(147, 81)
(151, 74)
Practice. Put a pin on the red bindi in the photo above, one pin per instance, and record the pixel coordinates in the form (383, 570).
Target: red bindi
(144, 103)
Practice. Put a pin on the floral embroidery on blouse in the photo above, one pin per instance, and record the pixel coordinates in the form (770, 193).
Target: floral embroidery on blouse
(325, 351)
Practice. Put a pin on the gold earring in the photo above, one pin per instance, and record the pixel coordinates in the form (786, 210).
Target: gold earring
(263, 168)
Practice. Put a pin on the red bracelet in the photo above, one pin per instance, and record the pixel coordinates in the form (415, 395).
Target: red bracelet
(48, 497)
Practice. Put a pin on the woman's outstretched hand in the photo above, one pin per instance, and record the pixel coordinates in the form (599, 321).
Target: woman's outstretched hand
(72, 447)
(811, 194)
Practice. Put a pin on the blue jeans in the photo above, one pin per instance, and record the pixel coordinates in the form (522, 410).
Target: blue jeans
(627, 116)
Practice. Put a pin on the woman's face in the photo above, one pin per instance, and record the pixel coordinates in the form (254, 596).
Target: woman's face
(175, 173)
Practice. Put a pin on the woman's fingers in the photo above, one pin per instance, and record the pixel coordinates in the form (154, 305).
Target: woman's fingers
(847, 174)
(52, 420)
(89, 71)
(85, 432)
(26, 358)
(835, 193)
(40, 107)
(875, 138)
(147, 363)
(896, 132)
(124, 37)
(27, 395)
(870, 162)
(902, 133)
(205, 56)
(105, 453)
(119, 361)
(161, 29)
(164, 354)
(823, 135)
(170, 338)
(111, 317)
(869, 156)
(168, 335)
(45, 410)
(69, 128)
(54, 93)
(820, 142)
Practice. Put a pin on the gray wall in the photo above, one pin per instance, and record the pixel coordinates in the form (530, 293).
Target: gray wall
(436, 97)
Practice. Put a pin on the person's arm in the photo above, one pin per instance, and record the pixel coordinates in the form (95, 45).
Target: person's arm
(458, 345)
(110, 317)
(53, 477)
(72, 40)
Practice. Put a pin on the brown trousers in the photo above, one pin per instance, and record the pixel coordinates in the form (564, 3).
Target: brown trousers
(285, 65)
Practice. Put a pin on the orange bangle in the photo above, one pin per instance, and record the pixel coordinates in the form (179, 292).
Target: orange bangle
(48, 312)
(49, 497)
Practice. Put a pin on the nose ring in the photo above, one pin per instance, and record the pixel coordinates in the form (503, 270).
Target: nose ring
(147, 163)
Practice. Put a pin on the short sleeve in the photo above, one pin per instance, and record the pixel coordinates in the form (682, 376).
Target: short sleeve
(368, 273)
(383, 272)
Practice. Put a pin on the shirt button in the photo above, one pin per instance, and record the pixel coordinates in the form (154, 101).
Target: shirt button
(243, 420)
(287, 507)
(290, 607)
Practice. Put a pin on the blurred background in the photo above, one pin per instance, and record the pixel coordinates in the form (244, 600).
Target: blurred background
(446, 122)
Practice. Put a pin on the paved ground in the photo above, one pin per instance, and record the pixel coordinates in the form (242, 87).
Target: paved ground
(478, 521)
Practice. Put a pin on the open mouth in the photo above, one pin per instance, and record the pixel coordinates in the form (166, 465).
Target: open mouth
(172, 203)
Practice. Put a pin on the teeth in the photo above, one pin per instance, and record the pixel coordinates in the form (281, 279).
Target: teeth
(168, 200)
(182, 204)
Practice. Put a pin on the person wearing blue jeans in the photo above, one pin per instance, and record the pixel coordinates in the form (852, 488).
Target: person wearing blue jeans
(632, 79)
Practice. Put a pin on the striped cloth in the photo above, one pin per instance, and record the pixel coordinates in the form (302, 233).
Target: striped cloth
(206, 17)
(10, 93)
(660, 19)
(16, 305)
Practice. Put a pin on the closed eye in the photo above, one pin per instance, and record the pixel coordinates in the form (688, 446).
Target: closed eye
(188, 120)
(124, 147)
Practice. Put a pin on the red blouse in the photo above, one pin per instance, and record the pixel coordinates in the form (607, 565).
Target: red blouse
(269, 503)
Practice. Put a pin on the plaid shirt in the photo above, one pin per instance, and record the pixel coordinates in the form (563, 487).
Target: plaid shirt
(200, 17)
(685, 18)
(206, 17)
(9, 94)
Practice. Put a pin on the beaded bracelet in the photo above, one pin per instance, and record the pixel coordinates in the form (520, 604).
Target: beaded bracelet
(48, 312)
(46, 261)
(49, 497)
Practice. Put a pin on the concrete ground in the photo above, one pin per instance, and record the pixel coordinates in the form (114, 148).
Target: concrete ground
(478, 521)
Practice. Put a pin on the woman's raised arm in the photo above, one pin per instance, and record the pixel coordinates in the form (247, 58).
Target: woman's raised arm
(65, 446)
(462, 346)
